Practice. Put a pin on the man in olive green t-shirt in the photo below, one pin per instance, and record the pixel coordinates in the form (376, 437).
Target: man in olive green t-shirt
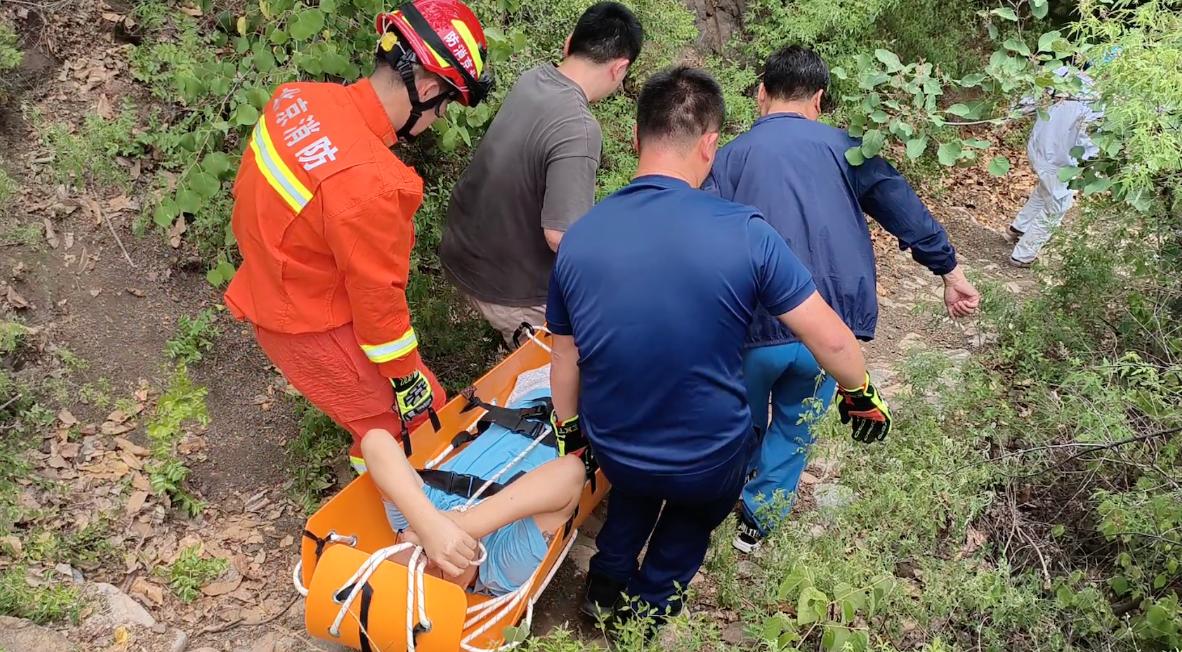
(533, 173)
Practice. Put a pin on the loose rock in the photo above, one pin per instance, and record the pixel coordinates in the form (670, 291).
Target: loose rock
(19, 635)
(117, 608)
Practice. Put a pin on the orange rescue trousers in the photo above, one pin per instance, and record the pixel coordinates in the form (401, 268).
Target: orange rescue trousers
(332, 372)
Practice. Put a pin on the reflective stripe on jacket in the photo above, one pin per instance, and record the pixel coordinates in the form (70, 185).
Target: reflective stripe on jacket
(323, 215)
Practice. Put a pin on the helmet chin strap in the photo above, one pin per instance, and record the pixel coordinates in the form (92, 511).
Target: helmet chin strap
(405, 69)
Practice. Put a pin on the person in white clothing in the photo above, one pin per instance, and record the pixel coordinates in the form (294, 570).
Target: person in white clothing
(1052, 140)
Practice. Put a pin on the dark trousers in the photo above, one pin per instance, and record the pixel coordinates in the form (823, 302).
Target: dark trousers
(674, 514)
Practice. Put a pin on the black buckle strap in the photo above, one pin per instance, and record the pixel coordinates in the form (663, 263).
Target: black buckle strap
(320, 542)
(436, 424)
(527, 421)
(363, 620)
(464, 485)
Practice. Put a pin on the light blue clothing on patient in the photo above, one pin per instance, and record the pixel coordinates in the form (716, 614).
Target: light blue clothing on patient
(516, 550)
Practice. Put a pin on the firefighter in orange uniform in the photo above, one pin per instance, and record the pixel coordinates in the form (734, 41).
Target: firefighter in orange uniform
(323, 214)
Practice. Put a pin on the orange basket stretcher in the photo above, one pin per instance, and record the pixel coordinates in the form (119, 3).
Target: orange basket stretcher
(357, 597)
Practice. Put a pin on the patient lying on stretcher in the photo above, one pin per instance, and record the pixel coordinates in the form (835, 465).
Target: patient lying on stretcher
(515, 525)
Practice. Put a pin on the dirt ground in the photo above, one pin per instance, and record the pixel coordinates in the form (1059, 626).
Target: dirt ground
(112, 299)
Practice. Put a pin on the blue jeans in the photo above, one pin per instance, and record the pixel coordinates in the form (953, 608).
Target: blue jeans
(787, 376)
(675, 515)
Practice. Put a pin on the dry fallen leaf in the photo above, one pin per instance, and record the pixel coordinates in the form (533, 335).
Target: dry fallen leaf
(103, 108)
(141, 482)
(66, 418)
(154, 593)
(195, 12)
(129, 446)
(50, 234)
(135, 502)
(136, 292)
(16, 300)
(224, 586)
(122, 636)
(178, 229)
(13, 544)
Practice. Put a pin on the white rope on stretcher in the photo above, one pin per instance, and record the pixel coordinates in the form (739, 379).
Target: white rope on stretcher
(521, 592)
(532, 333)
(447, 451)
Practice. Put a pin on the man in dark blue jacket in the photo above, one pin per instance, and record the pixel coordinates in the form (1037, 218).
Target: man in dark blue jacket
(793, 169)
(650, 301)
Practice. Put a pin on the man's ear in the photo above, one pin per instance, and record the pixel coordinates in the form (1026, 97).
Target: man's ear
(708, 145)
(761, 94)
(635, 139)
(566, 46)
(619, 70)
(429, 86)
(817, 100)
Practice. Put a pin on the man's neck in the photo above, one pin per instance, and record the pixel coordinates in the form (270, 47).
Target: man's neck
(585, 74)
(393, 97)
(667, 163)
(800, 107)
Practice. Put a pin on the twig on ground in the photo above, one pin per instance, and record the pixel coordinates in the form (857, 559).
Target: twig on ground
(217, 629)
(1089, 447)
(98, 213)
(1046, 575)
(10, 401)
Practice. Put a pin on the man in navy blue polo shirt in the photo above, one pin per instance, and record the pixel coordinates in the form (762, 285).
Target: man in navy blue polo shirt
(793, 169)
(650, 300)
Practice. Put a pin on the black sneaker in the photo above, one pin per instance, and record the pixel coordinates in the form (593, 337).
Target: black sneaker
(748, 539)
(601, 597)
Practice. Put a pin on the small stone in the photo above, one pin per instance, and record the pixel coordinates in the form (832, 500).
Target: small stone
(698, 579)
(580, 555)
(809, 478)
(71, 573)
(19, 635)
(120, 609)
(265, 644)
(205, 649)
(747, 568)
(832, 497)
(734, 633)
(180, 641)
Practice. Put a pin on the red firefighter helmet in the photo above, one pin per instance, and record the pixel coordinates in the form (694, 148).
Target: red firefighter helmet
(446, 39)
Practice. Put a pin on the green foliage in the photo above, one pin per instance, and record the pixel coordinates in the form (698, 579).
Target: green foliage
(10, 59)
(311, 456)
(12, 336)
(182, 403)
(85, 156)
(194, 337)
(42, 603)
(191, 571)
(8, 188)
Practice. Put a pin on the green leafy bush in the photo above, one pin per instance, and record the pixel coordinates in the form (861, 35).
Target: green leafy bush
(182, 403)
(194, 337)
(191, 571)
(41, 603)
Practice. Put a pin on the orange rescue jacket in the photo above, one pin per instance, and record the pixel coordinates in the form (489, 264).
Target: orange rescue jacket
(323, 214)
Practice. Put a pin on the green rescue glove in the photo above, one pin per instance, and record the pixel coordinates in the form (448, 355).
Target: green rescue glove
(867, 410)
(568, 433)
(412, 395)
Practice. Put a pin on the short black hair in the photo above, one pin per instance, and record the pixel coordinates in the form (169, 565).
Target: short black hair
(795, 72)
(678, 104)
(607, 31)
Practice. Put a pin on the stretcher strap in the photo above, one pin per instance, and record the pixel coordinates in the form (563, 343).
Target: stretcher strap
(319, 542)
(436, 424)
(366, 600)
(526, 421)
(464, 485)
